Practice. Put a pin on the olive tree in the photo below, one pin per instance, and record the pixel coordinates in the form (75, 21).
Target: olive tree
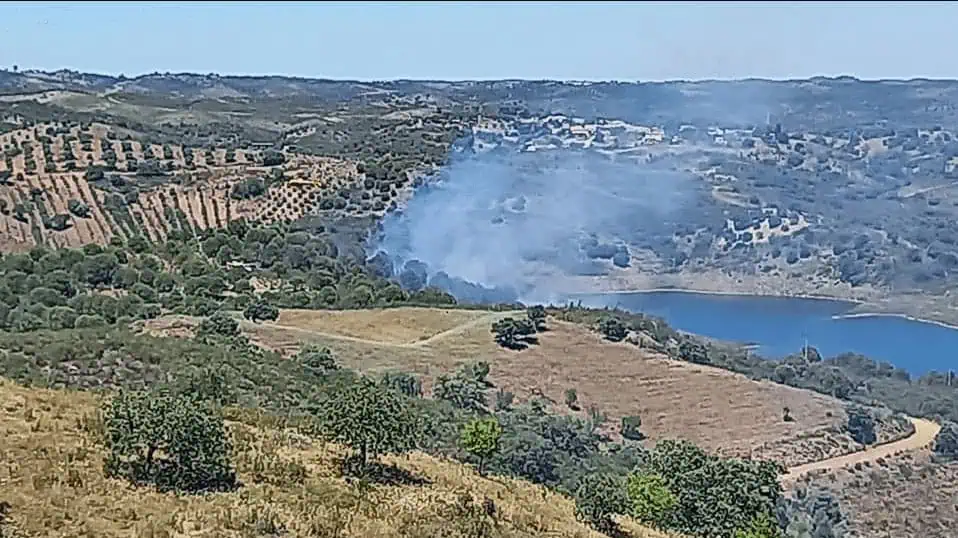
(650, 498)
(174, 442)
(480, 437)
(260, 310)
(369, 418)
(599, 497)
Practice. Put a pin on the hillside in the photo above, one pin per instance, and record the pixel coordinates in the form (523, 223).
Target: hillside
(836, 187)
(53, 485)
(278, 245)
(674, 399)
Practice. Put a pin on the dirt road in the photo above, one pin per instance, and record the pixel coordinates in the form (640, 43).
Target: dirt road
(487, 319)
(925, 432)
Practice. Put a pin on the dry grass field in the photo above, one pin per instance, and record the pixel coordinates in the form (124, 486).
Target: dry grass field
(51, 475)
(722, 411)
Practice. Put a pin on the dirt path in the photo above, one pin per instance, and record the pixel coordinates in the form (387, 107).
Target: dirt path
(462, 327)
(925, 432)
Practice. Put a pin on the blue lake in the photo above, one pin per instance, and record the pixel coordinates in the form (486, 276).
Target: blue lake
(779, 325)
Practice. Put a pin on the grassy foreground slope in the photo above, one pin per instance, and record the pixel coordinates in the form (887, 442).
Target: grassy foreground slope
(52, 484)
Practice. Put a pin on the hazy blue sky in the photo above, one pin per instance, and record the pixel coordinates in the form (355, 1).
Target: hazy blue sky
(568, 40)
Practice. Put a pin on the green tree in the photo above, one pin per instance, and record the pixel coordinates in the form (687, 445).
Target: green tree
(219, 324)
(630, 427)
(716, 496)
(480, 437)
(463, 390)
(599, 497)
(61, 317)
(170, 441)
(317, 361)
(513, 334)
(403, 383)
(613, 329)
(946, 443)
(572, 399)
(760, 526)
(861, 426)
(537, 317)
(370, 419)
(99, 269)
(650, 497)
(260, 310)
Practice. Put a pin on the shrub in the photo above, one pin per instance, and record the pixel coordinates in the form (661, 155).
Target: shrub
(630, 428)
(612, 329)
(861, 426)
(220, 324)
(173, 442)
(598, 497)
(260, 310)
(480, 437)
(370, 419)
(650, 498)
(78, 208)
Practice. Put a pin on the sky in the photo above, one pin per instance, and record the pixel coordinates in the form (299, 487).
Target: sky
(625, 41)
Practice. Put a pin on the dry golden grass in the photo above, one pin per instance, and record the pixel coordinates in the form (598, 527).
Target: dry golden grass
(390, 325)
(714, 408)
(51, 475)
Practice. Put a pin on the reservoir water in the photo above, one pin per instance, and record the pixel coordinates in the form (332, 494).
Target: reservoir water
(779, 325)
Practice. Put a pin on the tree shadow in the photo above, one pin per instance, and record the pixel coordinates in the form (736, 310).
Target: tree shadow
(379, 473)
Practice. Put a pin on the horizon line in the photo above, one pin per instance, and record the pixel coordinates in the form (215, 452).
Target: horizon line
(41, 71)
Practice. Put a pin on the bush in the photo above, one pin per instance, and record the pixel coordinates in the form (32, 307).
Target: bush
(249, 188)
(78, 208)
(173, 442)
(260, 310)
(946, 444)
(370, 419)
(513, 334)
(462, 390)
(219, 324)
(480, 437)
(612, 329)
(650, 498)
(317, 361)
(861, 426)
(630, 428)
(403, 383)
(598, 497)
(537, 317)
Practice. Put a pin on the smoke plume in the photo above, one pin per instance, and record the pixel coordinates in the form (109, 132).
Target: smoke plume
(500, 225)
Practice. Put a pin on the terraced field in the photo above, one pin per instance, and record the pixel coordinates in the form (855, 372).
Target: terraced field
(70, 185)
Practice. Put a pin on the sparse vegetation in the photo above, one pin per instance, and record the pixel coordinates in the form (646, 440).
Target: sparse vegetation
(130, 220)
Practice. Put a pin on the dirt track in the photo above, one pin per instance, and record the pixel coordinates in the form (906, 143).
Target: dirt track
(487, 319)
(925, 432)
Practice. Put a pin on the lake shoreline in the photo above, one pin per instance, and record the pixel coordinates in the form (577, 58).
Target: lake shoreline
(810, 297)
(894, 315)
